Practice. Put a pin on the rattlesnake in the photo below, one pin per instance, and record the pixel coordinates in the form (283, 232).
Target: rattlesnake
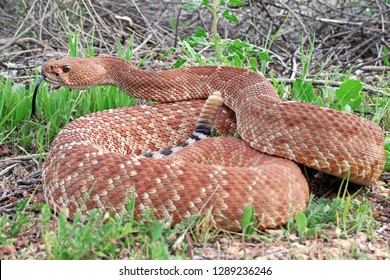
(96, 162)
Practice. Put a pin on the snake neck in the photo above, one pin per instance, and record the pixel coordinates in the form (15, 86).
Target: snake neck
(159, 86)
(235, 84)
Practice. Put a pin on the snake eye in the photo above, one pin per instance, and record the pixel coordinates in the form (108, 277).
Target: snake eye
(66, 68)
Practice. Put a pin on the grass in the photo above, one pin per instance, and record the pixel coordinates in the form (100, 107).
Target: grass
(101, 236)
(346, 216)
(96, 235)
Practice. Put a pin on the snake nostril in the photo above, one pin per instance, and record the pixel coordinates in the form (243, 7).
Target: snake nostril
(50, 69)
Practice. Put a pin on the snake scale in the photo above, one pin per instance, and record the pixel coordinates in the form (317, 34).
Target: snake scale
(96, 161)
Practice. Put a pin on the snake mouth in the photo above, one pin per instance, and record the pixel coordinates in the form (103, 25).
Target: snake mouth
(51, 80)
(65, 83)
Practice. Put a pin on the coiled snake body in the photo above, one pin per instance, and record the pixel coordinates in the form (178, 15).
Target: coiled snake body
(94, 162)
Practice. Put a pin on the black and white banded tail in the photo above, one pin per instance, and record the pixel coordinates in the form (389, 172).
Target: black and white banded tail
(203, 127)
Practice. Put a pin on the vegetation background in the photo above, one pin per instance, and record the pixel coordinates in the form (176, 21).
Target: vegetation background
(329, 53)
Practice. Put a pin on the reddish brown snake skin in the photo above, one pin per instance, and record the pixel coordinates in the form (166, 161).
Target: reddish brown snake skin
(94, 162)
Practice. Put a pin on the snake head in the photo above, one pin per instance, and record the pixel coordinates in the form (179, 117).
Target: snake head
(76, 73)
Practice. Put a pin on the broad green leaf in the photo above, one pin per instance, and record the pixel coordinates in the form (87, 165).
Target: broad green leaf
(194, 41)
(237, 61)
(303, 91)
(253, 63)
(349, 94)
(200, 33)
(237, 3)
(301, 222)
(191, 6)
(264, 56)
(241, 44)
(229, 15)
(248, 221)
